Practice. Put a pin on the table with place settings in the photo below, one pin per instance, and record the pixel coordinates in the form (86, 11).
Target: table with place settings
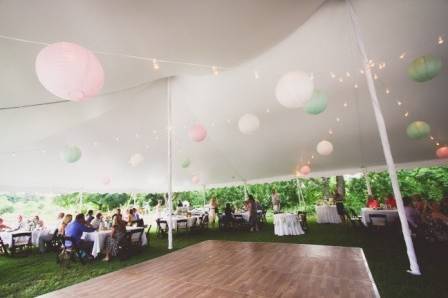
(287, 224)
(327, 214)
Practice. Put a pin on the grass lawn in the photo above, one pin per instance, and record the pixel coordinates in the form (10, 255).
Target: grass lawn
(39, 274)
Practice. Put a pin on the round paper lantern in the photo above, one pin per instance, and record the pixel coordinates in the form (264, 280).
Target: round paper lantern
(418, 130)
(248, 124)
(317, 104)
(106, 180)
(186, 163)
(294, 89)
(136, 159)
(442, 152)
(195, 179)
(424, 68)
(305, 170)
(69, 71)
(71, 154)
(197, 133)
(324, 147)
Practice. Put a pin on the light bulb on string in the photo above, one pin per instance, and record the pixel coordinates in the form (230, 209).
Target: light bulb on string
(361, 71)
(256, 75)
(406, 114)
(332, 75)
(338, 119)
(403, 55)
(155, 64)
(440, 40)
(345, 104)
(341, 80)
(356, 86)
(437, 144)
(268, 110)
(375, 76)
(432, 138)
(387, 91)
(399, 103)
(215, 70)
(330, 131)
(348, 74)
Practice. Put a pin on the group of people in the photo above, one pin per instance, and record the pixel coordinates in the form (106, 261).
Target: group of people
(28, 225)
(250, 206)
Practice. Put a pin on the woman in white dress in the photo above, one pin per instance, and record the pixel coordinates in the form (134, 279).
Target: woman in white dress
(213, 210)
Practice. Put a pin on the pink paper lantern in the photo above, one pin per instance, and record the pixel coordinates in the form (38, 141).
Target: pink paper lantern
(69, 71)
(197, 133)
(195, 179)
(305, 170)
(442, 152)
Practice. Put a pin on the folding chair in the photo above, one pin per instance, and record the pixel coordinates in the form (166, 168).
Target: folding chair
(182, 224)
(378, 222)
(20, 241)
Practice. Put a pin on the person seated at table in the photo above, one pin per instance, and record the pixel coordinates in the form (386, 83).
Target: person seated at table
(118, 233)
(138, 218)
(21, 224)
(372, 202)
(89, 217)
(228, 217)
(61, 228)
(412, 214)
(36, 223)
(390, 202)
(3, 227)
(98, 223)
(75, 229)
(252, 208)
(131, 219)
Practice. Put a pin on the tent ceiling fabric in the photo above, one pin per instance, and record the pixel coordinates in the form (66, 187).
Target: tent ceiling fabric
(258, 41)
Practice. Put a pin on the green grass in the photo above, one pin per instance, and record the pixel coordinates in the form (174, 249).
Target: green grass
(386, 255)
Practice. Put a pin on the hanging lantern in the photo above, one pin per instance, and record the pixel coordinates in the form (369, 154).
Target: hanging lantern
(248, 124)
(197, 133)
(442, 152)
(106, 180)
(71, 154)
(294, 89)
(186, 163)
(195, 179)
(324, 147)
(69, 71)
(136, 159)
(305, 170)
(317, 104)
(424, 68)
(418, 130)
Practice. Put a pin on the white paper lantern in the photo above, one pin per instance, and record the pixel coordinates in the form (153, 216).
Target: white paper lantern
(136, 159)
(294, 89)
(324, 147)
(248, 124)
(71, 154)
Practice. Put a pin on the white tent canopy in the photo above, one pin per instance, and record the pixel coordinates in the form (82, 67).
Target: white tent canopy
(252, 43)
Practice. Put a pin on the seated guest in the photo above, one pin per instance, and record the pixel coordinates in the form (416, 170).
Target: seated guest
(36, 223)
(138, 218)
(21, 224)
(89, 216)
(98, 223)
(75, 230)
(131, 217)
(67, 219)
(3, 227)
(412, 214)
(372, 202)
(390, 202)
(118, 233)
(60, 217)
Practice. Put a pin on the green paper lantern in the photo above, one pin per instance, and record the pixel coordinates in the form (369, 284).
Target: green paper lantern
(317, 104)
(186, 163)
(424, 68)
(418, 130)
(71, 154)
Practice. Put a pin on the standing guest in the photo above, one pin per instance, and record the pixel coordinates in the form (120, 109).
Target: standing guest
(412, 214)
(67, 219)
(3, 227)
(89, 216)
(75, 230)
(390, 202)
(158, 209)
(98, 223)
(213, 207)
(340, 206)
(118, 233)
(252, 208)
(372, 202)
(275, 201)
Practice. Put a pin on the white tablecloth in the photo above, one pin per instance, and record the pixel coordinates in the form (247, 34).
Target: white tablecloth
(175, 218)
(391, 214)
(7, 238)
(37, 234)
(327, 214)
(99, 237)
(287, 224)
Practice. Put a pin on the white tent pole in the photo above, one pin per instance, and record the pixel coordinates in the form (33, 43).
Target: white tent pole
(170, 168)
(366, 177)
(385, 142)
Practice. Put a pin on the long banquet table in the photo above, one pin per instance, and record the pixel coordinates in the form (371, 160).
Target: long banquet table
(391, 214)
(99, 238)
(327, 214)
(287, 224)
(175, 218)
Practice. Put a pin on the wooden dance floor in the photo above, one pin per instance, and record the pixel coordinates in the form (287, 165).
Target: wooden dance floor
(238, 269)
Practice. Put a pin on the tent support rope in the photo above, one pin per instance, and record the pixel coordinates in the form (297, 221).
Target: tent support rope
(385, 143)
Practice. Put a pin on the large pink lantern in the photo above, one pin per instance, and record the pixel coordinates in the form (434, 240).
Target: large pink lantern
(442, 152)
(305, 170)
(197, 133)
(69, 71)
(195, 179)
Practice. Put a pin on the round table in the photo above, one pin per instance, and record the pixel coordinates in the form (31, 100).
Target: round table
(287, 224)
(327, 214)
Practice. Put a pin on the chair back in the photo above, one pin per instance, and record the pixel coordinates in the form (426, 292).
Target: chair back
(135, 236)
(378, 220)
(21, 239)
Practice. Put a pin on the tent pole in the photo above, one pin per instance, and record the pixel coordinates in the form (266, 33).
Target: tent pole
(366, 177)
(170, 168)
(385, 143)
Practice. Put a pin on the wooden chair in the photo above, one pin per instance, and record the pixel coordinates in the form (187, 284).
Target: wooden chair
(162, 227)
(378, 222)
(148, 233)
(3, 249)
(303, 220)
(20, 241)
(182, 224)
(70, 252)
(135, 238)
(204, 222)
(55, 243)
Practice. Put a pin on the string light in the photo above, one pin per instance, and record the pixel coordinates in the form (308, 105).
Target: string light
(332, 75)
(399, 103)
(137, 136)
(267, 110)
(406, 114)
(345, 104)
(432, 138)
(338, 119)
(356, 86)
(330, 132)
(387, 91)
(403, 55)
(348, 74)
(375, 76)
(155, 64)
(437, 144)
(361, 71)
(215, 70)
(256, 75)
(341, 80)
(312, 156)
(440, 40)
(154, 131)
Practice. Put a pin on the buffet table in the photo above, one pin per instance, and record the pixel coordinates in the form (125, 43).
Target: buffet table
(287, 224)
(327, 214)
(391, 214)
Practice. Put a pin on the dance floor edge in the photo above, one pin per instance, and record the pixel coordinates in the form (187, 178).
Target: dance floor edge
(238, 269)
